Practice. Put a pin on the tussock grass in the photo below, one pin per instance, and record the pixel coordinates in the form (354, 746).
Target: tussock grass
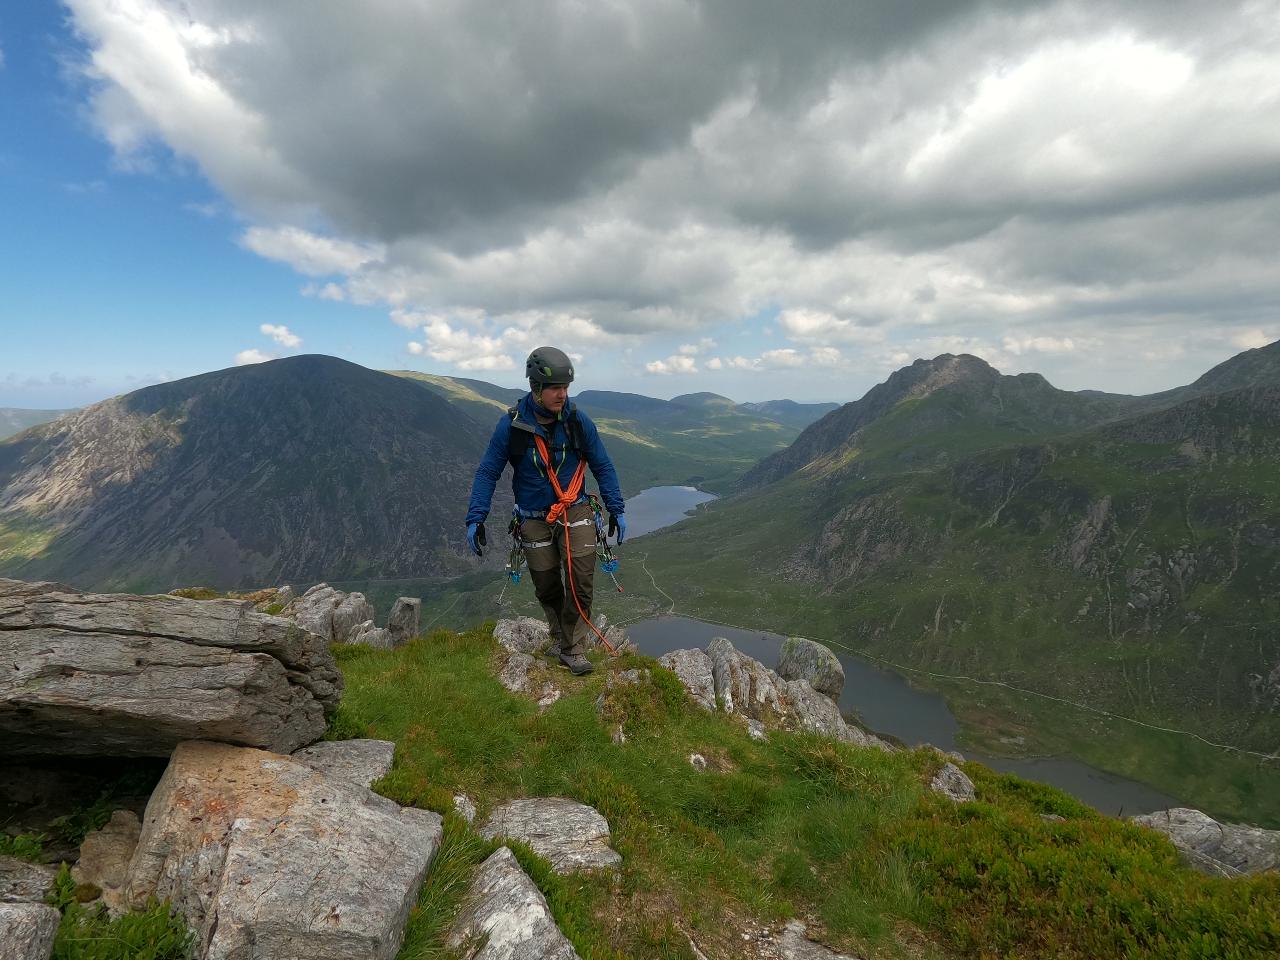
(798, 826)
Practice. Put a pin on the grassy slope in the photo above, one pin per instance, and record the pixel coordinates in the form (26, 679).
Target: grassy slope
(705, 445)
(795, 826)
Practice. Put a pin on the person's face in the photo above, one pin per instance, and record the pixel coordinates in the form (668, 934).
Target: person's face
(554, 396)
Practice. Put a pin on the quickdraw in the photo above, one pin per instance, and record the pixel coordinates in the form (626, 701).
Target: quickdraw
(517, 559)
(608, 562)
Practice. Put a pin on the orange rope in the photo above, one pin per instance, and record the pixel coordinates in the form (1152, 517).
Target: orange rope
(558, 513)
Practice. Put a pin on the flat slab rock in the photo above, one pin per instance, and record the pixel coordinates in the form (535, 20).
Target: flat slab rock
(23, 882)
(27, 931)
(267, 857)
(507, 913)
(1218, 849)
(123, 675)
(357, 761)
(571, 835)
(794, 944)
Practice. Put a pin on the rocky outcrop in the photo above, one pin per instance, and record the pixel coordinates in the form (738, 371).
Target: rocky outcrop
(330, 613)
(124, 675)
(801, 659)
(356, 761)
(522, 635)
(27, 931)
(104, 858)
(23, 882)
(506, 917)
(371, 635)
(951, 782)
(693, 667)
(1218, 849)
(743, 684)
(403, 624)
(266, 856)
(571, 835)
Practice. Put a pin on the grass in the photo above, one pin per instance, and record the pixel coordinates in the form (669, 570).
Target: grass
(88, 933)
(24, 846)
(797, 826)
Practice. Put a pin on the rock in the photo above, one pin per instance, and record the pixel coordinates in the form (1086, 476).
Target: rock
(285, 596)
(693, 667)
(330, 613)
(27, 931)
(802, 659)
(403, 626)
(795, 945)
(368, 634)
(698, 762)
(355, 761)
(742, 684)
(463, 806)
(123, 675)
(806, 709)
(1222, 849)
(522, 673)
(522, 635)
(755, 730)
(616, 636)
(1053, 818)
(266, 856)
(507, 913)
(104, 858)
(23, 882)
(950, 781)
(572, 835)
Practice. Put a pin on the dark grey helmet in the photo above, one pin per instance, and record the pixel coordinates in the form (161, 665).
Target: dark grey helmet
(547, 365)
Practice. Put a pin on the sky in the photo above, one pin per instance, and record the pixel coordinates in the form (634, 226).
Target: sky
(758, 199)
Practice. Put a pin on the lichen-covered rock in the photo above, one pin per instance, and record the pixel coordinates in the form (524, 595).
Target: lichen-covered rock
(522, 635)
(693, 667)
(951, 781)
(23, 882)
(403, 624)
(27, 931)
(355, 761)
(1222, 849)
(801, 659)
(506, 917)
(123, 675)
(266, 856)
(464, 807)
(104, 858)
(571, 835)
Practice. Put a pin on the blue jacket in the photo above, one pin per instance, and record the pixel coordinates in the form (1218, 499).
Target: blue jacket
(529, 482)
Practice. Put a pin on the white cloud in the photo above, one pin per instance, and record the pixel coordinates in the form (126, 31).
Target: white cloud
(310, 253)
(464, 350)
(677, 363)
(416, 348)
(253, 355)
(281, 335)
(819, 325)
(715, 363)
(1020, 345)
(1253, 338)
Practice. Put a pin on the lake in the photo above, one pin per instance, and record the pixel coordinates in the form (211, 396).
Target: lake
(887, 704)
(659, 507)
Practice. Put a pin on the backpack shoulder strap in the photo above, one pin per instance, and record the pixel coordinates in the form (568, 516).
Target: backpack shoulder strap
(519, 439)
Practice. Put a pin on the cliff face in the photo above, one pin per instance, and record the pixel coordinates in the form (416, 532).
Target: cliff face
(298, 469)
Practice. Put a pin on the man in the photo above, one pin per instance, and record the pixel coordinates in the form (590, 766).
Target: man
(549, 443)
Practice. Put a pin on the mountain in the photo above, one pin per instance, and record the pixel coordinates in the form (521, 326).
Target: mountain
(294, 470)
(798, 415)
(16, 419)
(1120, 552)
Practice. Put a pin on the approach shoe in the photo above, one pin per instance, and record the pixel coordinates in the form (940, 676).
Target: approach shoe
(577, 663)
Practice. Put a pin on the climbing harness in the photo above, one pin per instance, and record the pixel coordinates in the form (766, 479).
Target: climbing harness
(557, 513)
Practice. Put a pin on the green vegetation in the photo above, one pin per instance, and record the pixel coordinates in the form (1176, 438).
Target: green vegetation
(88, 933)
(849, 838)
(24, 846)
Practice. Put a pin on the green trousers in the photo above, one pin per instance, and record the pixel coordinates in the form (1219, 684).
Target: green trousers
(544, 549)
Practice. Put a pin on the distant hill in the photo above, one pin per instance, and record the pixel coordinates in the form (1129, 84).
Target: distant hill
(294, 470)
(16, 419)
(794, 414)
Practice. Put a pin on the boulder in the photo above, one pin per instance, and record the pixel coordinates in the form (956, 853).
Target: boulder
(27, 931)
(104, 858)
(370, 635)
(330, 613)
(951, 782)
(801, 659)
(267, 856)
(505, 917)
(124, 675)
(464, 807)
(693, 667)
(571, 835)
(356, 761)
(23, 882)
(742, 684)
(403, 624)
(1221, 849)
(522, 635)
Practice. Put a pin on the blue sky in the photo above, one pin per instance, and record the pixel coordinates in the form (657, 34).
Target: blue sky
(685, 199)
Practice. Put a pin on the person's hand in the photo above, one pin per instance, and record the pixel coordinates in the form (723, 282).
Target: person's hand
(476, 538)
(618, 525)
